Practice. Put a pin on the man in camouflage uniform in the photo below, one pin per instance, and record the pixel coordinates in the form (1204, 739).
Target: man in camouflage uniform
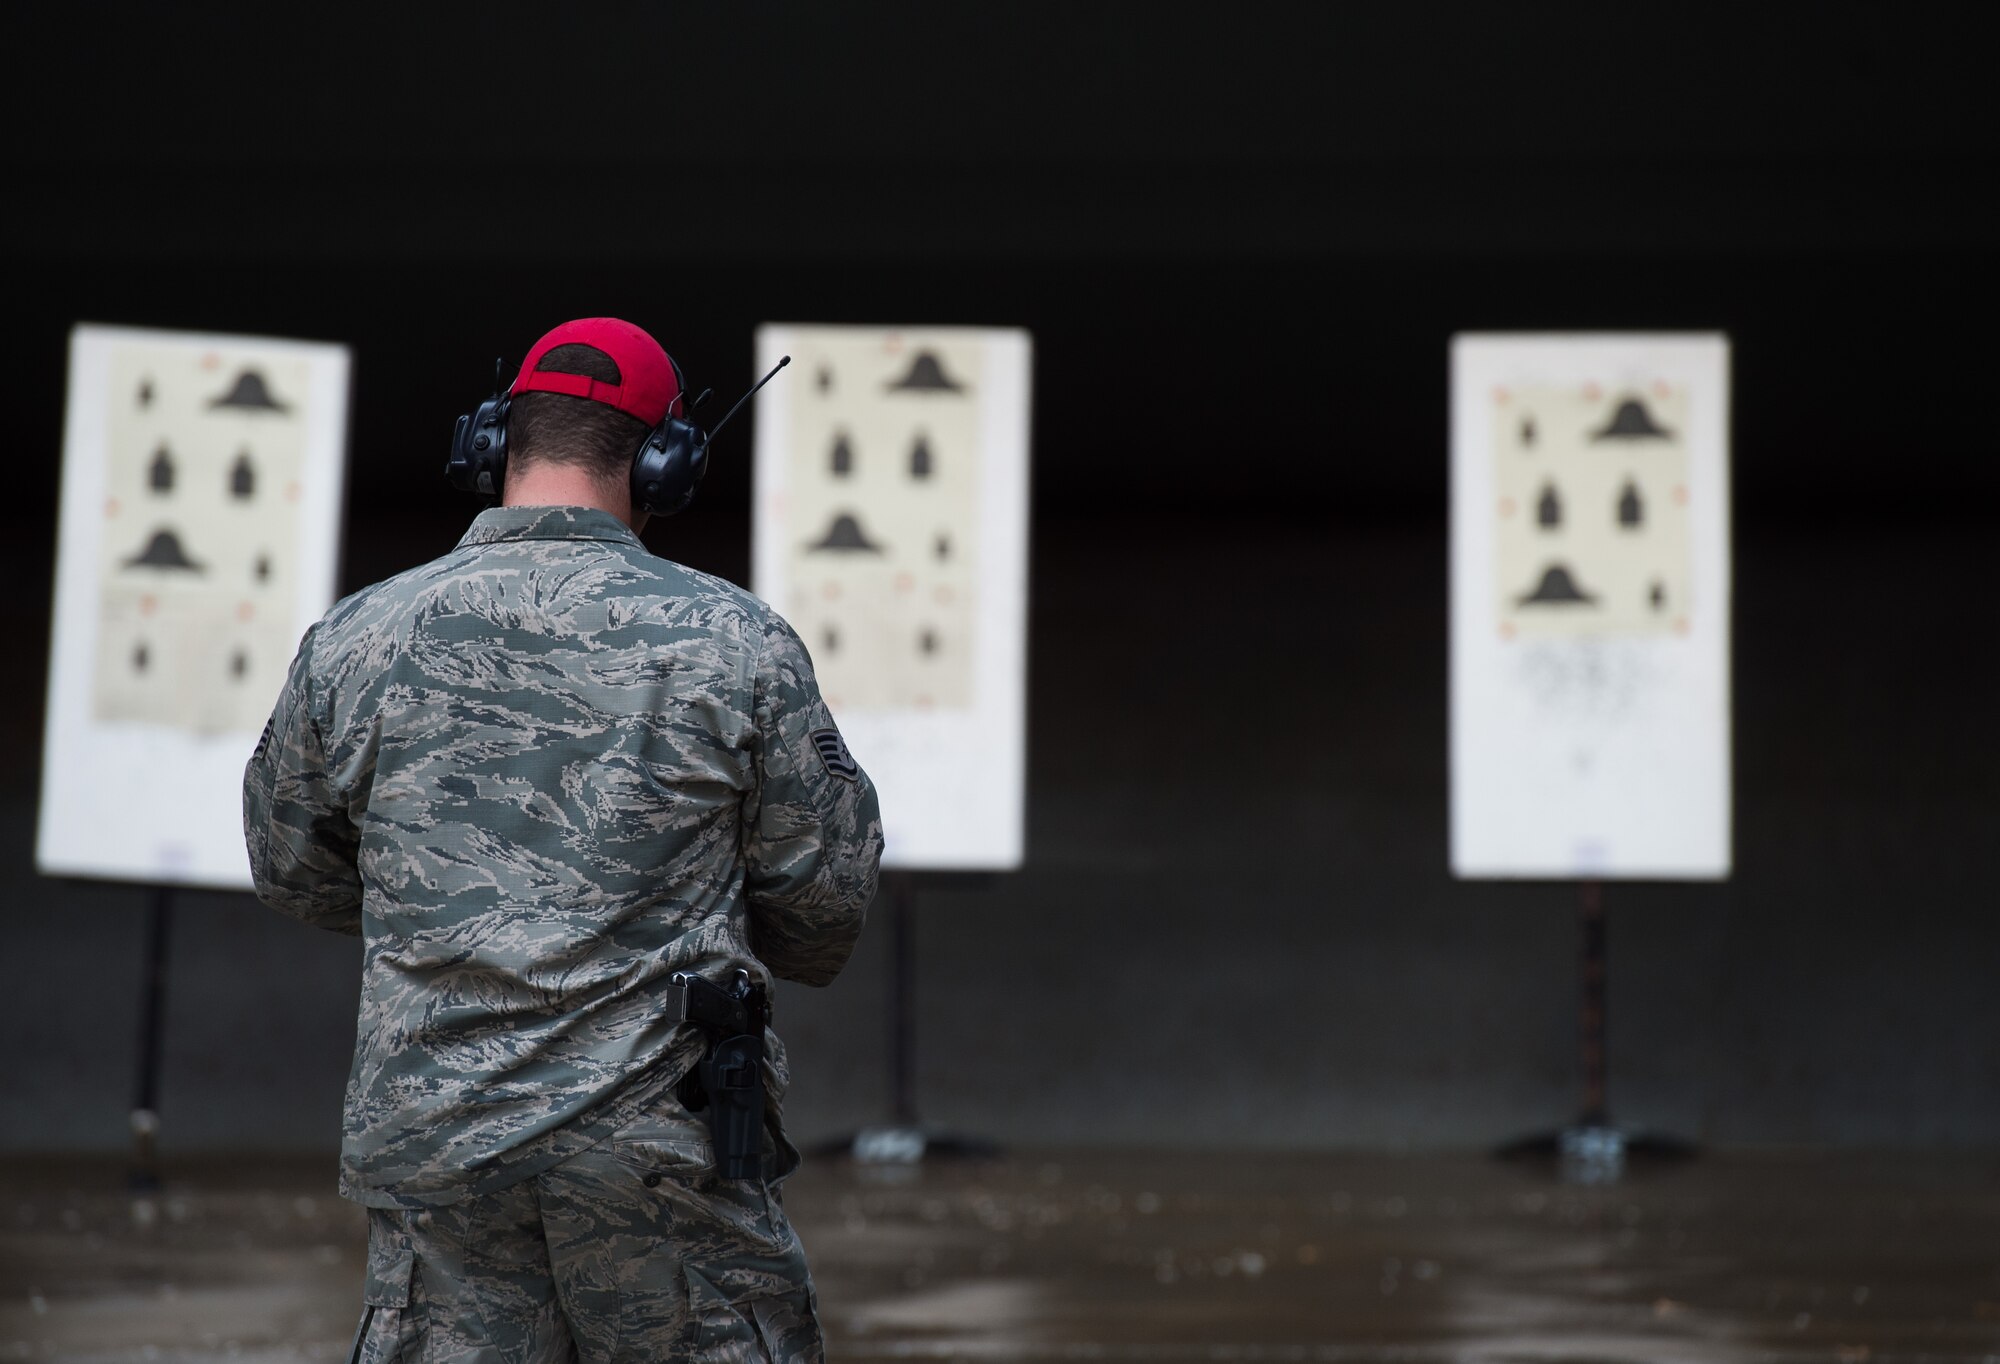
(540, 776)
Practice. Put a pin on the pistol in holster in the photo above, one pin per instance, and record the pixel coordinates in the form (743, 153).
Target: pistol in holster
(727, 1085)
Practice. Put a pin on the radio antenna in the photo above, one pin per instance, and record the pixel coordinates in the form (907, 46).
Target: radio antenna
(782, 362)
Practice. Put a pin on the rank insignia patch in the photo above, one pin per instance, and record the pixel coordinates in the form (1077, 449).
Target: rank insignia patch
(264, 740)
(833, 752)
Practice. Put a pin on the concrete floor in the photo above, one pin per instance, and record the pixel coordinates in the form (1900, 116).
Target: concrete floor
(1106, 1256)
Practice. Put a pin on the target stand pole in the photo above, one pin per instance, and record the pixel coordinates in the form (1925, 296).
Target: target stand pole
(903, 1140)
(1591, 1150)
(145, 1172)
(1590, 1022)
(902, 1002)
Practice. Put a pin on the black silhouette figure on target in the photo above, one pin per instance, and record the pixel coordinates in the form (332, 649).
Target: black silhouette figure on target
(250, 392)
(1558, 588)
(844, 536)
(926, 375)
(164, 551)
(1631, 509)
(1631, 421)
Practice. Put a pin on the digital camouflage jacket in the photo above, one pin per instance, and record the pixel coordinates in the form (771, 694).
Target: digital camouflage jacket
(539, 776)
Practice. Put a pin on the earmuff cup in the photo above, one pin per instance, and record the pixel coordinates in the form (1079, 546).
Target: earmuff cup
(669, 467)
(478, 462)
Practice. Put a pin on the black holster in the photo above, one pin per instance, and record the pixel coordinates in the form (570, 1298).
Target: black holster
(727, 1084)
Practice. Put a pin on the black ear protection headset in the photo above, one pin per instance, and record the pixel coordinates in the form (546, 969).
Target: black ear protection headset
(667, 468)
(478, 462)
(673, 459)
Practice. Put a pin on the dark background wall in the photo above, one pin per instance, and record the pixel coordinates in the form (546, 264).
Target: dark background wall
(1242, 239)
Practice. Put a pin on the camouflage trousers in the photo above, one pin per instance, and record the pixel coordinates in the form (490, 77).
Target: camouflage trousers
(631, 1251)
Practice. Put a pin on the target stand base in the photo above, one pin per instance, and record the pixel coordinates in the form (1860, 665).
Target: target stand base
(894, 1145)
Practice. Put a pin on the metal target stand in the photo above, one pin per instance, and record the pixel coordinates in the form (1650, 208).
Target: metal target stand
(903, 1140)
(144, 1175)
(1591, 1150)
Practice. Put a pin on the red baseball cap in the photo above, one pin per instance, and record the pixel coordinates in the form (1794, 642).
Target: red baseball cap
(650, 384)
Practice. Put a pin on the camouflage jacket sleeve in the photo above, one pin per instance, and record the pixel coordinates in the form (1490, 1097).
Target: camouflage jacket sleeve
(812, 830)
(302, 842)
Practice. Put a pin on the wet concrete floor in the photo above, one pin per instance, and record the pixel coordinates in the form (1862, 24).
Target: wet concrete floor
(1131, 1257)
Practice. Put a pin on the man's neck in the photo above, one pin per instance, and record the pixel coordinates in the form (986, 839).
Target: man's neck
(565, 485)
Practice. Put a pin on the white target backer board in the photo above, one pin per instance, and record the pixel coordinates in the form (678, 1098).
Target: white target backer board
(198, 538)
(892, 532)
(1590, 604)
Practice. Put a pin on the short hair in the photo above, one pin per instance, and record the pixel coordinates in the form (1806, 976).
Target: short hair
(555, 428)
